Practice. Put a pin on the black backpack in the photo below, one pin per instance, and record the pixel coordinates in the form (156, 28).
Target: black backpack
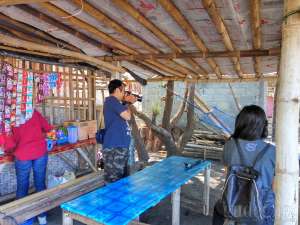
(242, 199)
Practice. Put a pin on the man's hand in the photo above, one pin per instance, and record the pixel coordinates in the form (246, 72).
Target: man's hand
(130, 98)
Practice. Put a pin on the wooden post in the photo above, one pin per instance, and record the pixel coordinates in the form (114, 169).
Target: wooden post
(206, 191)
(77, 97)
(64, 77)
(90, 97)
(71, 94)
(287, 118)
(67, 220)
(51, 105)
(86, 158)
(176, 207)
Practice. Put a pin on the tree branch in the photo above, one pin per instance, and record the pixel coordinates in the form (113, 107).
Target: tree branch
(181, 109)
(188, 132)
(168, 106)
(138, 142)
(164, 135)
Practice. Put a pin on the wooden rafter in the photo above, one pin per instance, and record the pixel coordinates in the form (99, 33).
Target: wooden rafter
(256, 33)
(223, 80)
(33, 31)
(92, 29)
(243, 53)
(103, 36)
(126, 6)
(71, 31)
(91, 10)
(25, 36)
(67, 29)
(187, 27)
(214, 14)
(19, 50)
(150, 68)
(17, 2)
(13, 42)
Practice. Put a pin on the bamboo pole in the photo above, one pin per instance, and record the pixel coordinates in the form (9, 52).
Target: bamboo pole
(256, 32)
(216, 18)
(127, 7)
(287, 119)
(176, 14)
(100, 34)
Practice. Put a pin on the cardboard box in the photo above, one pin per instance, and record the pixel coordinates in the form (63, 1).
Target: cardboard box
(86, 129)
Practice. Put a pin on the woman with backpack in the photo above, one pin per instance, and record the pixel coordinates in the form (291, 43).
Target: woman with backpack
(248, 197)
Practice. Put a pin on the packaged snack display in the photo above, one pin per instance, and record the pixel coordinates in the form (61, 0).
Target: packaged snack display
(17, 94)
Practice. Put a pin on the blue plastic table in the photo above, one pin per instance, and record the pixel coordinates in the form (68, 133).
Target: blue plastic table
(123, 201)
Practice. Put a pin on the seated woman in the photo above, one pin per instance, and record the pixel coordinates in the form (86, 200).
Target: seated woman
(250, 131)
(28, 145)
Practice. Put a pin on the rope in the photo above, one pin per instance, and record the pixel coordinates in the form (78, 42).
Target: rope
(290, 14)
(76, 13)
(183, 99)
(222, 126)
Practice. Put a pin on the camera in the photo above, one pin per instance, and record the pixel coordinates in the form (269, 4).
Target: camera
(138, 97)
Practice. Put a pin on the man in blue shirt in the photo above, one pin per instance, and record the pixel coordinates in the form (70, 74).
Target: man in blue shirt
(117, 131)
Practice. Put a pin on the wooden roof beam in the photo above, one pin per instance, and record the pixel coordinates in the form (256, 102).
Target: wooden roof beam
(100, 16)
(65, 28)
(24, 36)
(237, 54)
(103, 36)
(127, 7)
(19, 50)
(187, 27)
(45, 18)
(214, 14)
(256, 33)
(84, 25)
(38, 33)
(223, 80)
(17, 2)
(17, 43)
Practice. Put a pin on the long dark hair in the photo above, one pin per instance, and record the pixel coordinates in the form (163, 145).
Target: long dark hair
(251, 124)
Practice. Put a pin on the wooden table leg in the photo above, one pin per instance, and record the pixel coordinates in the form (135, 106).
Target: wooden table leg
(176, 207)
(67, 220)
(206, 191)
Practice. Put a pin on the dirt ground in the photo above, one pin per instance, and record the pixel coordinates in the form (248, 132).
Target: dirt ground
(191, 202)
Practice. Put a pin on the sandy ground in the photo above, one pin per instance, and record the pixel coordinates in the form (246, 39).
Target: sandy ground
(191, 202)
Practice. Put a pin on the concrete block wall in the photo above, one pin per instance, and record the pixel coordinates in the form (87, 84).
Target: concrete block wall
(214, 94)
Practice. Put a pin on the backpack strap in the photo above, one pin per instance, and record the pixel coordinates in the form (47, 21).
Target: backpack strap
(261, 154)
(238, 146)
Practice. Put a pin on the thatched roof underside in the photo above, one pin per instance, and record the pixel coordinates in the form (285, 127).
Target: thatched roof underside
(141, 27)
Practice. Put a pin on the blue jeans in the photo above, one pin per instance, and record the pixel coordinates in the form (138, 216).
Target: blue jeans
(23, 169)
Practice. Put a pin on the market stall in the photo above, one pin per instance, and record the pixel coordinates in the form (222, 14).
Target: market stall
(66, 96)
